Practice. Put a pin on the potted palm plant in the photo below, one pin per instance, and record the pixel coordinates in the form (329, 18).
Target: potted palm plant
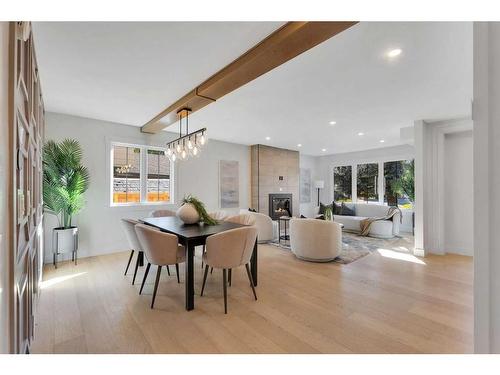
(65, 180)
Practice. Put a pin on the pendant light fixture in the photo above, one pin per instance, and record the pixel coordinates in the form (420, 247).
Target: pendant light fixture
(189, 144)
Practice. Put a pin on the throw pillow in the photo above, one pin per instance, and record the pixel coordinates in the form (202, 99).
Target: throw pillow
(346, 211)
(320, 217)
(303, 217)
(252, 210)
(337, 208)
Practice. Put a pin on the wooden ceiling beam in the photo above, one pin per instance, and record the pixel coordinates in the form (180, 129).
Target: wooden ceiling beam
(284, 44)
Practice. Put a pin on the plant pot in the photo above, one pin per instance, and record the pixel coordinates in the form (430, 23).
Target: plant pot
(65, 240)
(188, 214)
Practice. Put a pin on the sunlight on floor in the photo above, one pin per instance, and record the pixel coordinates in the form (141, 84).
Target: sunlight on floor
(400, 256)
(56, 280)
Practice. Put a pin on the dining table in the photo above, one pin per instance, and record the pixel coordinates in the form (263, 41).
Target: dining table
(192, 235)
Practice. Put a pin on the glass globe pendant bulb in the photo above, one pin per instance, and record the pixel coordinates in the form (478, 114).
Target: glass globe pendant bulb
(183, 154)
(195, 151)
(178, 147)
(203, 140)
(190, 144)
(174, 157)
(169, 151)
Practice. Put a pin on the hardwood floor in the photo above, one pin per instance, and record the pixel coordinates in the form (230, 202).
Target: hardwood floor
(382, 303)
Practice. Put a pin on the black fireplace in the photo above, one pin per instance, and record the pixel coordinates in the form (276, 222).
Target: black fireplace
(280, 205)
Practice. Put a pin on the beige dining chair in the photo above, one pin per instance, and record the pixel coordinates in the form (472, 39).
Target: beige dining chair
(129, 227)
(133, 241)
(163, 213)
(218, 215)
(227, 250)
(161, 249)
(245, 219)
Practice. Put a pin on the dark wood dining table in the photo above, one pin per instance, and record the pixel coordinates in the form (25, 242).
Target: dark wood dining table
(192, 235)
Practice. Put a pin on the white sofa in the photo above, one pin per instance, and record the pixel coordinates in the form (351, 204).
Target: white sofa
(315, 240)
(379, 229)
(266, 228)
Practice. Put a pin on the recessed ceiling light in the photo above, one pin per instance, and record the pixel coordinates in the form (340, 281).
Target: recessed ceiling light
(394, 52)
(361, 133)
(333, 122)
(323, 149)
(268, 138)
(382, 141)
(299, 145)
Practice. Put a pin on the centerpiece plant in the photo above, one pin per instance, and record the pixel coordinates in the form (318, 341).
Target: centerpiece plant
(200, 209)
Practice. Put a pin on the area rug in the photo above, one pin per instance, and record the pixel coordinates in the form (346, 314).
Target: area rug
(354, 247)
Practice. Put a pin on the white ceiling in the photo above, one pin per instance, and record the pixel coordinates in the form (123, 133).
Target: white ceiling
(127, 72)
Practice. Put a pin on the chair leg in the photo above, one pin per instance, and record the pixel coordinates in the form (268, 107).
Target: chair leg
(136, 267)
(230, 275)
(202, 252)
(177, 272)
(204, 280)
(168, 271)
(211, 270)
(145, 277)
(158, 273)
(129, 260)
(251, 280)
(224, 285)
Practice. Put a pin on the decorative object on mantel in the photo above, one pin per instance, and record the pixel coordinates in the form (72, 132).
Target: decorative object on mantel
(305, 185)
(64, 182)
(193, 211)
(229, 184)
(319, 184)
(189, 144)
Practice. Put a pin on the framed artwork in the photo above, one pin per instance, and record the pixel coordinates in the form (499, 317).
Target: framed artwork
(229, 184)
(305, 185)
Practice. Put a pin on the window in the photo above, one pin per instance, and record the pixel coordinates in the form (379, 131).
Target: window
(342, 179)
(126, 174)
(158, 176)
(367, 183)
(140, 175)
(399, 185)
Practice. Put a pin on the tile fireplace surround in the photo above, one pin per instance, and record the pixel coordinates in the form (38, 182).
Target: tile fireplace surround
(274, 171)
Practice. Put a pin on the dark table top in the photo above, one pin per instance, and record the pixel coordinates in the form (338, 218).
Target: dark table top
(174, 225)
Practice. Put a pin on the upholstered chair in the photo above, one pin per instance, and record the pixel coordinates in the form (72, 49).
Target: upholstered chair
(227, 250)
(266, 228)
(245, 219)
(315, 240)
(161, 249)
(133, 241)
(162, 213)
(218, 215)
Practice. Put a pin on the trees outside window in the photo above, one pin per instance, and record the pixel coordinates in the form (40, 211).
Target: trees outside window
(367, 184)
(342, 178)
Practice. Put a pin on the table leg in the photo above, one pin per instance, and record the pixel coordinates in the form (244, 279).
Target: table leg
(279, 231)
(253, 263)
(189, 276)
(140, 258)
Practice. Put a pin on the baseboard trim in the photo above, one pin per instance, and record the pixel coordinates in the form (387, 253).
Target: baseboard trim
(419, 252)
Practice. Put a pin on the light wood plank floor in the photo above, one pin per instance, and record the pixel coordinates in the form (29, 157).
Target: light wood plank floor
(378, 304)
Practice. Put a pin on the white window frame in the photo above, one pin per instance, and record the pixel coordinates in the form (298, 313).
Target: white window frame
(354, 177)
(142, 176)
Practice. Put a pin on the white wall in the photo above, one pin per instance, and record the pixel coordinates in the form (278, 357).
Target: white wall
(99, 224)
(486, 116)
(458, 198)
(4, 186)
(310, 162)
(431, 191)
(325, 165)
